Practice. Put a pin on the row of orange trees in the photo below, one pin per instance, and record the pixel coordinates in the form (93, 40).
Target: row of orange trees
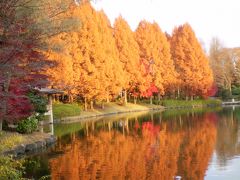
(98, 62)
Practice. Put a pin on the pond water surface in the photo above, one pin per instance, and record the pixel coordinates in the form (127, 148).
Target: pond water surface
(192, 144)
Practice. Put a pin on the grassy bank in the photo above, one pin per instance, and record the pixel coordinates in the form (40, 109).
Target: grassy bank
(9, 140)
(64, 110)
(9, 167)
(60, 111)
(193, 103)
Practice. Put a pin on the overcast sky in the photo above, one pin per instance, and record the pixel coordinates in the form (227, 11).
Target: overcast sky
(208, 18)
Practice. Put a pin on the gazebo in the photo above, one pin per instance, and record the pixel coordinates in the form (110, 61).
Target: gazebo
(49, 92)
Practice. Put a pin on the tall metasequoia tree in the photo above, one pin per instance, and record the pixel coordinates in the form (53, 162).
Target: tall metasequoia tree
(155, 55)
(85, 54)
(113, 68)
(61, 75)
(169, 73)
(97, 70)
(24, 27)
(191, 63)
(129, 56)
(146, 38)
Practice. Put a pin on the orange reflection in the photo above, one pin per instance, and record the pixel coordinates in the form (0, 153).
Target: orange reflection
(156, 153)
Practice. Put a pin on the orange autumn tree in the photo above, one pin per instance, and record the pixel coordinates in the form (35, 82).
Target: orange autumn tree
(191, 63)
(97, 70)
(149, 56)
(169, 73)
(85, 51)
(113, 68)
(61, 74)
(155, 55)
(128, 55)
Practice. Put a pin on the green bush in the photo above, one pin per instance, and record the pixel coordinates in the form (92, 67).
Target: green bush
(39, 103)
(236, 90)
(10, 168)
(28, 125)
(224, 94)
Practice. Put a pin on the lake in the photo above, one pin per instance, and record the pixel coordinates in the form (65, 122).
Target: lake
(188, 144)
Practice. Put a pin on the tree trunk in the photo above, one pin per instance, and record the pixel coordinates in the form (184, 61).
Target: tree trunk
(191, 98)
(159, 97)
(151, 100)
(121, 95)
(134, 100)
(91, 105)
(125, 97)
(70, 98)
(108, 98)
(230, 89)
(85, 104)
(4, 100)
(103, 105)
(178, 93)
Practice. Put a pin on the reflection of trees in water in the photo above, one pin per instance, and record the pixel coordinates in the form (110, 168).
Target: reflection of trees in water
(139, 149)
(197, 148)
(228, 136)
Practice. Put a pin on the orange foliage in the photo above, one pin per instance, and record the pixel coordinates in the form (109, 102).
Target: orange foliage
(155, 55)
(156, 153)
(197, 149)
(128, 54)
(195, 75)
(97, 70)
(97, 62)
(61, 75)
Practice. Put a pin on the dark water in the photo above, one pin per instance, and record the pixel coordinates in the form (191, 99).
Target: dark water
(193, 144)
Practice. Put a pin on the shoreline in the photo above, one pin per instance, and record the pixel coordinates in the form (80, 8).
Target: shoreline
(85, 117)
(40, 141)
(31, 143)
(72, 119)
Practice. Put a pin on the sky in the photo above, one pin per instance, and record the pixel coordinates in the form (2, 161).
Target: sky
(208, 18)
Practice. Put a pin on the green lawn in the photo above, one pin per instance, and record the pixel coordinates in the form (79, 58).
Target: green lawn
(115, 108)
(65, 110)
(193, 103)
(62, 111)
